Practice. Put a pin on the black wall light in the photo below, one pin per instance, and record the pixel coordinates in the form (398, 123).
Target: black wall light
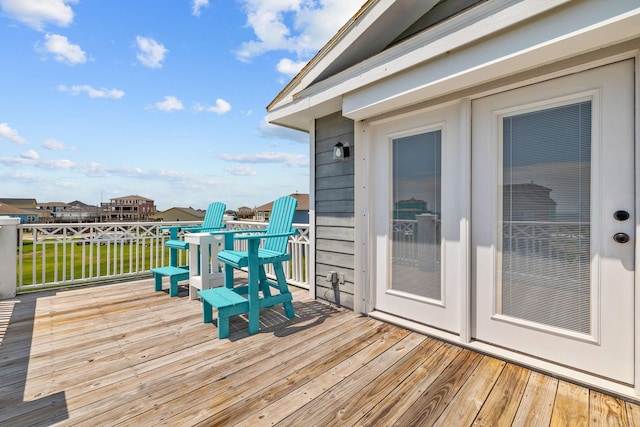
(341, 151)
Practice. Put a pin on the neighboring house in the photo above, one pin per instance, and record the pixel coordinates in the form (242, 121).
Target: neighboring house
(301, 216)
(52, 207)
(48, 211)
(178, 214)
(78, 211)
(245, 212)
(26, 216)
(128, 208)
(454, 102)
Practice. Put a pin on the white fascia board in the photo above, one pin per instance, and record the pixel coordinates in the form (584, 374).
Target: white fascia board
(478, 22)
(301, 113)
(578, 28)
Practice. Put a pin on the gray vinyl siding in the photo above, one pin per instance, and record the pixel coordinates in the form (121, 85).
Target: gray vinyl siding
(334, 207)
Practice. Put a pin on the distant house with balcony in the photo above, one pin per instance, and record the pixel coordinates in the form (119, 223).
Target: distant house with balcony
(128, 208)
(78, 211)
(48, 210)
(244, 212)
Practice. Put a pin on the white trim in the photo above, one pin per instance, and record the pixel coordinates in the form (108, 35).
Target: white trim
(361, 300)
(311, 274)
(512, 356)
(465, 223)
(637, 219)
(528, 47)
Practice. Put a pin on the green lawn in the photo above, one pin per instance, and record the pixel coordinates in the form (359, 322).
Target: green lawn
(97, 258)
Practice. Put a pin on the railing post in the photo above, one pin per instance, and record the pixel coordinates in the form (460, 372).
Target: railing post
(8, 240)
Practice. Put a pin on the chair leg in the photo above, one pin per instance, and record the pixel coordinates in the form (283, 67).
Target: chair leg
(158, 281)
(223, 325)
(284, 289)
(207, 311)
(264, 285)
(173, 286)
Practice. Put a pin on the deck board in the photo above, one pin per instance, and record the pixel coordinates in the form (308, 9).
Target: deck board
(123, 354)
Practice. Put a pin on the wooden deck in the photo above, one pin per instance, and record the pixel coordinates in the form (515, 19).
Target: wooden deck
(122, 354)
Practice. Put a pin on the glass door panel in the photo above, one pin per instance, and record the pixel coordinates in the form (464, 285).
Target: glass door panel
(544, 255)
(415, 227)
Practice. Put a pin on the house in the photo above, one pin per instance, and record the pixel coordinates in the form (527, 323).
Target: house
(244, 212)
(178, 214)
(301, 216)
(78, 211)
(27, 216)
(49, 210)
(460, 104)
(128, 208)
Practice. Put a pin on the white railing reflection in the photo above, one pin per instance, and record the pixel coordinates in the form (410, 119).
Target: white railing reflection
(52, 255)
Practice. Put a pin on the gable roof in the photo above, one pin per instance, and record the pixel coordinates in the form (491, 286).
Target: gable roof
(412, 50)
(7, 209)
(377, 25)
(303, 203)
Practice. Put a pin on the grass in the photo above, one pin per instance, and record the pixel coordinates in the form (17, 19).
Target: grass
(82, 261)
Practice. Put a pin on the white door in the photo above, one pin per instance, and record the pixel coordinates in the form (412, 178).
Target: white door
(553, 220)
(415, 161)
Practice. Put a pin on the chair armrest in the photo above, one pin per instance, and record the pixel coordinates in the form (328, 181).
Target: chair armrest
(202, 229)
(258, 236)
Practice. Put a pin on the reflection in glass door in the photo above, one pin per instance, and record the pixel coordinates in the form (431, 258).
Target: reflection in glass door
(544, 251)
(416, 215)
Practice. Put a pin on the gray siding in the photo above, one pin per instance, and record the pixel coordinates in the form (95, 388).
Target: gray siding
(334, 205)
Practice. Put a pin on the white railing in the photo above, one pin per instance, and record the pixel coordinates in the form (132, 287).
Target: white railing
(53, 255)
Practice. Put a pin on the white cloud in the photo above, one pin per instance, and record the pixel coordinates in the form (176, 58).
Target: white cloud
(92, 92)
(64, 51)
(170, 103)
(150, 52)
(221, 107)
(30, 154)
(297, 26)
(241, 171)
(9, 134)
(38, 13)
(199, 4)
(98, 170)
(53, 145)
(290, 68)
(289, 159)
(267, 130)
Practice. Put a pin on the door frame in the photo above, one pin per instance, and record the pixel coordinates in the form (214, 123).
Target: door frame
(365, 252)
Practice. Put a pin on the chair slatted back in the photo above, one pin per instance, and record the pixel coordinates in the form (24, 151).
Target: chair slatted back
(280, 221)
(214, 216)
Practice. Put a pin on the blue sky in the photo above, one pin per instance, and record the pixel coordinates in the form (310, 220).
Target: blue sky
(164, 99)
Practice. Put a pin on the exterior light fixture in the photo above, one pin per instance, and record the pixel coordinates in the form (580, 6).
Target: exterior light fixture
(341, 151)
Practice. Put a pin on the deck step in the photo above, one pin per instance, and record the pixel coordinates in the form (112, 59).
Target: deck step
(175, 274)
(172, 271)
(228, 303)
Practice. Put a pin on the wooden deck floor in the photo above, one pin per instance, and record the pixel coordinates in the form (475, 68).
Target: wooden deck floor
(122, 354)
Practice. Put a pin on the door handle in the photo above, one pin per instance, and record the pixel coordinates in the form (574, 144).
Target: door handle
(621, 215)
(621, 237)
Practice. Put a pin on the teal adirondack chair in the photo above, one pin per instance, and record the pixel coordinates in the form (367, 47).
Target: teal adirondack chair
(212, 222)
(230, 300)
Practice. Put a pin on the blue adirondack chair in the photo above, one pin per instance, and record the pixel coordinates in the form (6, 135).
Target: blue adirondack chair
(212, 222)
(230, 300)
